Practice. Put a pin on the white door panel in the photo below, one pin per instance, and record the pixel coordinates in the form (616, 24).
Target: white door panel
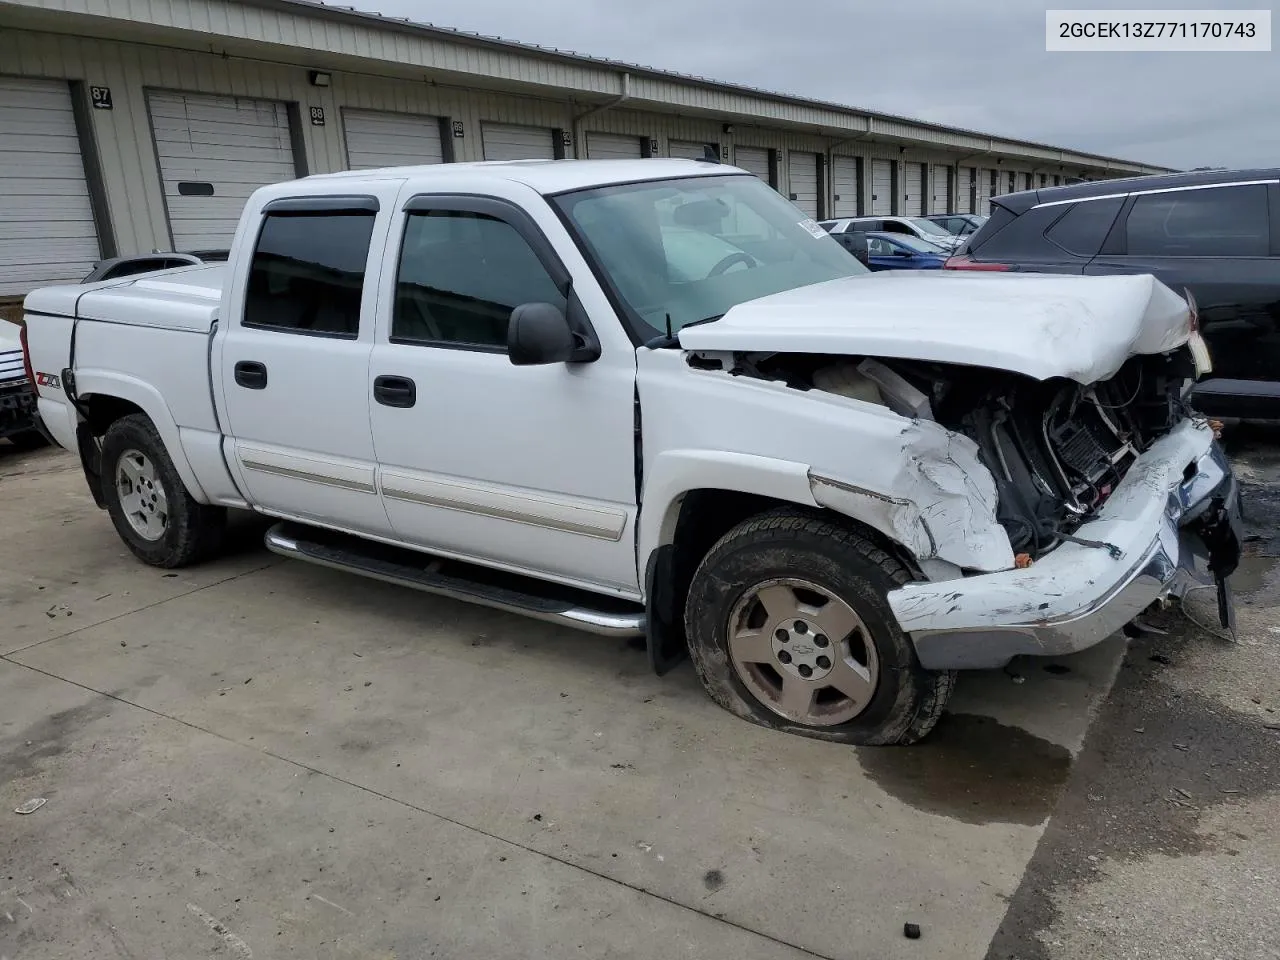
(214, 152)
(940, 201)
(802, 171)
(302, 443)
(299, 436)
(612, 146)
(503, 141)
(964, 190)
(754, 160)
(526, 466)
(47, 230)
(522, 467)
(688, 149)
(913, 188)
(376, 140)
(881, 188)
(844, 177)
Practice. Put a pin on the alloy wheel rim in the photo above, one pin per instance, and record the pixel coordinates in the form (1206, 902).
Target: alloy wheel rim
(803, 652)
(142, 497)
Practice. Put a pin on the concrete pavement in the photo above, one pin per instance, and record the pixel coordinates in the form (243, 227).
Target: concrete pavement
(261, 758)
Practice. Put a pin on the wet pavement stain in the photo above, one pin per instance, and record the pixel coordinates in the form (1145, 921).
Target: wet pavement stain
(22, 754)
(974, 769)
(1256, 570)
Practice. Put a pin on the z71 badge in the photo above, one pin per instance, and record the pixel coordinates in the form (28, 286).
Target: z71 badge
(47, 380)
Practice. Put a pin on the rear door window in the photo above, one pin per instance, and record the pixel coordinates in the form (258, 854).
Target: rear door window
(307, 274)
(1210, 222)
(1084, 226)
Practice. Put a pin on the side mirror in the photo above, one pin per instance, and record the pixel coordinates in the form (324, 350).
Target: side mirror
(539, 333)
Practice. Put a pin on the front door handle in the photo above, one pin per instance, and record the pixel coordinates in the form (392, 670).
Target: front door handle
(251, 374)
(395, 391)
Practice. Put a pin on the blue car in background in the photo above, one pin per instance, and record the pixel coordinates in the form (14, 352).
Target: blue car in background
(896, 251)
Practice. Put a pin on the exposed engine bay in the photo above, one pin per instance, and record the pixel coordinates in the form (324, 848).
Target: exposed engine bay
(1055, 448)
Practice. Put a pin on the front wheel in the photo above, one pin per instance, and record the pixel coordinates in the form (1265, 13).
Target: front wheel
(789, 627)
(148, 502)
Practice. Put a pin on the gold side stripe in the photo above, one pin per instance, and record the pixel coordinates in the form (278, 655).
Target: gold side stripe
(327, 481)
(603, 530)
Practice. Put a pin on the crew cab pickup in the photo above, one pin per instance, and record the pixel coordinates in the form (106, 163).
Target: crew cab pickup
(653, 398)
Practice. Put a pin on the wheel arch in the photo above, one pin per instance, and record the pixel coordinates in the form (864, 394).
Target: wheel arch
(103, 398)
(698, 497)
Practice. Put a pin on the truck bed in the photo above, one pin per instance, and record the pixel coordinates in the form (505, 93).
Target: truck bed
(144, 340)
(186, 298)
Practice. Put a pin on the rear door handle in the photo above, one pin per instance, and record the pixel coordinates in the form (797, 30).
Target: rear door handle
(395, 391)
(251, 374)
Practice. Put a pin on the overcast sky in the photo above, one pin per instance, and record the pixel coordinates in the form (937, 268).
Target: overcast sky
(979, 64)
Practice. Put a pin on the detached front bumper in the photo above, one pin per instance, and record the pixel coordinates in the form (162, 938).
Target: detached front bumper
(1173, 523)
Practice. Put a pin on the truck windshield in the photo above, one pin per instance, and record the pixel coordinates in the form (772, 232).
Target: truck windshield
(690, 249)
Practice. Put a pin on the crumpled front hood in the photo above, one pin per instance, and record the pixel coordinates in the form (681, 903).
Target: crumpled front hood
(1040, 325)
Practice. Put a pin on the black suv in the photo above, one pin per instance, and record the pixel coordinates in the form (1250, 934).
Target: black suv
(1214, 234)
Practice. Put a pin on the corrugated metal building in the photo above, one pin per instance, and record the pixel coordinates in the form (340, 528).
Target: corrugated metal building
(132, 125)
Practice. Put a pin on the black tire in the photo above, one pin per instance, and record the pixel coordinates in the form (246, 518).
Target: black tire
(28, 440)
(193, 531)
(907, 700)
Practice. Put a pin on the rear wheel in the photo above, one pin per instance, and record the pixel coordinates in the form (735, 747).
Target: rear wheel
(789, 626)
(148, 502)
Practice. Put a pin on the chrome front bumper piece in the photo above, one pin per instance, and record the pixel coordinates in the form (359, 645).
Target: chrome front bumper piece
(1172, 523)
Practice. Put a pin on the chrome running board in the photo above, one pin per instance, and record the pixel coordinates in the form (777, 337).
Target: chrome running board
(424, 572)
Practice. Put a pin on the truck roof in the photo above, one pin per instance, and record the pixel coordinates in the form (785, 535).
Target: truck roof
(544, 176)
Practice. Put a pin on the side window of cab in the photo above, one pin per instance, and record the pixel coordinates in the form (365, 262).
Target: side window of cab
(461, 273)
(307, 272)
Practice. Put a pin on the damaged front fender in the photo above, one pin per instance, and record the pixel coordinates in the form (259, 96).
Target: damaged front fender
(941, 504)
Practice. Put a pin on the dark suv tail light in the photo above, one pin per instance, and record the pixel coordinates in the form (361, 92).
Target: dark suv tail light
(966, 262)
(26, 353)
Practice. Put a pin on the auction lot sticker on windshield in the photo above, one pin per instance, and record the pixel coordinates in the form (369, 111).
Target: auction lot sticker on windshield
(812, 226)
(1135, 31)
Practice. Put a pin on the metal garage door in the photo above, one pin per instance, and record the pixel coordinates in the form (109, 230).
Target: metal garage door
(964, 190)
(214, 152)
(505, 142)
(688, 150)
(940, 199)
(985, 177)
(802, 174)
(913, 189)
(47, 233)
(611, 146)
(753, 160)
(390, 139)
(844, 186)
(881, 187)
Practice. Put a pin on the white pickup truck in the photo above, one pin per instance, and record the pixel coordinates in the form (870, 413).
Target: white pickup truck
(652, 398)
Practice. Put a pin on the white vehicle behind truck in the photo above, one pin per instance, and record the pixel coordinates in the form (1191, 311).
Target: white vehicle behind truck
(17, 393)
(652, 398)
